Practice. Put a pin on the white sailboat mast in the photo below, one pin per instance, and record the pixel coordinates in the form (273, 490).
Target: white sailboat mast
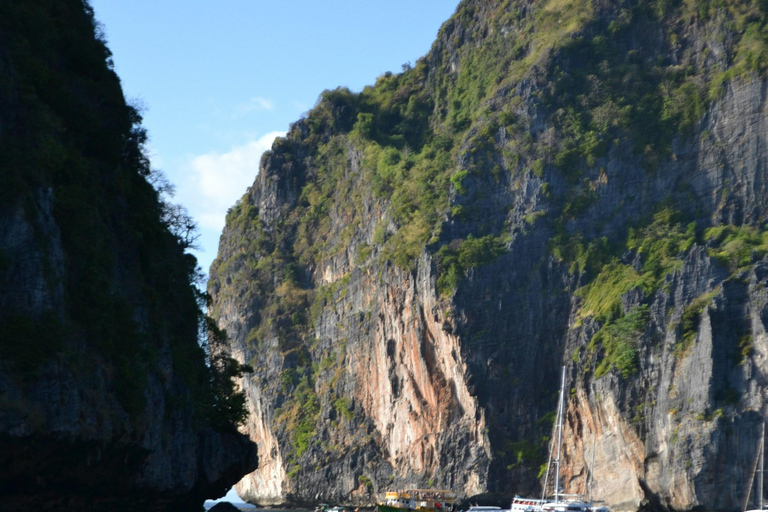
(592, 466)
(762, 468)
(559, 436)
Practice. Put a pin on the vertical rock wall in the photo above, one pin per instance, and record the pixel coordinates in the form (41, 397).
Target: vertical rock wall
(406, 386)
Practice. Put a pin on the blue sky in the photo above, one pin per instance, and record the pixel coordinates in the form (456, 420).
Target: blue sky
(219, 80)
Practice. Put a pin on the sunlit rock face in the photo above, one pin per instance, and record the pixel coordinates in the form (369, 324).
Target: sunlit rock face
(578, 184)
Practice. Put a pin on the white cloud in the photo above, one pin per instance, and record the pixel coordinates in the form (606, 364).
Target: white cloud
(214, 221)
(254, 104)
(217, 180)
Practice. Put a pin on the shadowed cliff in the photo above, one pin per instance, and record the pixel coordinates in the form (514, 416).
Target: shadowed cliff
(107, 398)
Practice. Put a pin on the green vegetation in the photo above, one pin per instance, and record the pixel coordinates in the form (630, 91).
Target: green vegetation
(737, 247)
(746, 348)
(530, 451)
(602, 297)
(225, 407)
(364, 480)
(728, 396)
(611, 92)
(661, 243)
(417, 187)
(342, 406)
(748, 19)
(410, 131)
(300, 415)
(498, 62)
(619, 340)
(709, 415)
(690, 320)
(461, 255)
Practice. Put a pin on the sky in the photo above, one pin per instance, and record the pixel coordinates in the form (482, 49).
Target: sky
(217, 81)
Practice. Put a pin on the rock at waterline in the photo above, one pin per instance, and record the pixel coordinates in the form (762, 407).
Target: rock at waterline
(224, 506)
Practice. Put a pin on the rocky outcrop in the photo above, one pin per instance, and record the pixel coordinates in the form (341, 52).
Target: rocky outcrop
(105, 395)
(395, 402)
(578, 184)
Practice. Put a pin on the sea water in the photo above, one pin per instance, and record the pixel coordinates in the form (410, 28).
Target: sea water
(233, 498)
(240, 505)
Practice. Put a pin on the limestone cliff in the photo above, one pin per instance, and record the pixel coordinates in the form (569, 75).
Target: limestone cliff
(578, 183)
(106, 401)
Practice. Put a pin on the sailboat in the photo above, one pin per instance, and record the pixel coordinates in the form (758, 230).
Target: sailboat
(761, 458)
(561, 502)
(521, 504)
(565, 502)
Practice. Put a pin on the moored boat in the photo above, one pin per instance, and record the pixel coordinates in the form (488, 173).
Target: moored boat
(565, 502)
(572, 503)
(560, 502)
(419, 500)
(520, 504)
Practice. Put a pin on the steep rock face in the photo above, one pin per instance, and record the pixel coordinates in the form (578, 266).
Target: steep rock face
(103, 387)
(695, 412)
(577, 184)
(394, 403)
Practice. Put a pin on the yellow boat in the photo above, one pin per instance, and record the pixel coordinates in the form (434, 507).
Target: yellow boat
(419, 500)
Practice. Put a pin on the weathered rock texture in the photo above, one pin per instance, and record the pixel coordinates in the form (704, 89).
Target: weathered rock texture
(611, 157)
(102, 381)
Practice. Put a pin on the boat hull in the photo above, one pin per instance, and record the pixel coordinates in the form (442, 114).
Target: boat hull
(380, 507)
(386, 508)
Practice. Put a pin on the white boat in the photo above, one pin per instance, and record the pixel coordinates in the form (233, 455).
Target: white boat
(520, 504)
(572, 503)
